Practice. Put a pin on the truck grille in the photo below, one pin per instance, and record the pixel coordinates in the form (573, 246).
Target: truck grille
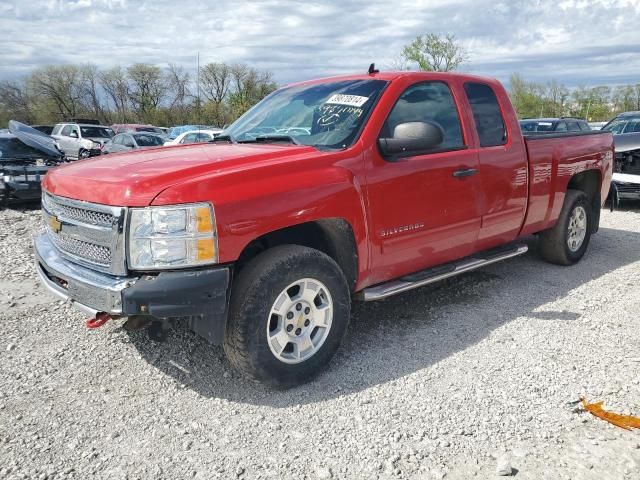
(74, 213)
(87, 233)
(85, 250)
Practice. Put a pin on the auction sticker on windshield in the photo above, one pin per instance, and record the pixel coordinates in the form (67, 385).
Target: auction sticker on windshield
(351, 100)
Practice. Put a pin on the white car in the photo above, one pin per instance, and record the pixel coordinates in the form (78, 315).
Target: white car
(80, 140)
(194, 136)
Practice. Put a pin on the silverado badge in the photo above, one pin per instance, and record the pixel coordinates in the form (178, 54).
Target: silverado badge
(55, 224)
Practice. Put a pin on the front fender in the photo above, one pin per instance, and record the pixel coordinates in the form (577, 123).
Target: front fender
(252, 203)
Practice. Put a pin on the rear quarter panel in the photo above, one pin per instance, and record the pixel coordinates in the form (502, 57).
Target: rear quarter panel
(553, 161)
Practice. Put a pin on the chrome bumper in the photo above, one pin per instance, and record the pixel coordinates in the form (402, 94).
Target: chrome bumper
(89, 291)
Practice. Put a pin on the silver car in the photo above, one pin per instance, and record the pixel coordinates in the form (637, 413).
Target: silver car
(78, 140)
(124, 142)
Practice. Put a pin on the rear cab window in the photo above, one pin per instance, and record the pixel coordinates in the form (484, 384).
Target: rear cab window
(487, 114)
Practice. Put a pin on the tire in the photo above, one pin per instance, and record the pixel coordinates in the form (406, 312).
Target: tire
(83, 154)
(555, 242)
(280, 274)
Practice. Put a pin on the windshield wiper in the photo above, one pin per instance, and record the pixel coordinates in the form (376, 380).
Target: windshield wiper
(272, 139)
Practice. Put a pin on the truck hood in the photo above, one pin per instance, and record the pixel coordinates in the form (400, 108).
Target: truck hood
(135, 179)
(625, 142)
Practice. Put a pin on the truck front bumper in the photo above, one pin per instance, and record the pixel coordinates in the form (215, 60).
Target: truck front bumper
(201, 295)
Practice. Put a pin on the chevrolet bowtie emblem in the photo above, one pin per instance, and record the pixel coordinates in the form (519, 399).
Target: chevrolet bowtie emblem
(55, 224)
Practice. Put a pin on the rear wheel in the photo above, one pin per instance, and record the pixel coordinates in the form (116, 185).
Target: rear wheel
(289, 312)
(567, 242)
(82, 154)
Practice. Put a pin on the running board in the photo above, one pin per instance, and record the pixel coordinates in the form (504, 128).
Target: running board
(435, 274)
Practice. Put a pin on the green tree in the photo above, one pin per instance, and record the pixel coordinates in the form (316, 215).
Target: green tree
(435, 53)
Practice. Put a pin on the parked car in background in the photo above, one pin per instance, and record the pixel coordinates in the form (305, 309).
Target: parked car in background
(26, 155)
(626, 139)
(46, 129)
(195, 136)
(134, 127)
(361, 186)
(124, 142)
(175, 131)
(553, 125)
(597, 125)
(78, 140)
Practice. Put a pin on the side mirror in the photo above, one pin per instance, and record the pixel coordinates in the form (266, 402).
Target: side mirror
(412, 138)
(73, 134)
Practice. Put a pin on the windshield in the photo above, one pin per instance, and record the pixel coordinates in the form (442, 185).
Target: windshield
(328, 115)
(623, 124)
(536, 126)
(97, 132)
(148, 140)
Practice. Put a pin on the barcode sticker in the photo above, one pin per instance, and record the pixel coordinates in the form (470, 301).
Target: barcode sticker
(351, 100)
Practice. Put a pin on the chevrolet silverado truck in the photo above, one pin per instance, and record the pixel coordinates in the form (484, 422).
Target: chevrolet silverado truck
(353, 187)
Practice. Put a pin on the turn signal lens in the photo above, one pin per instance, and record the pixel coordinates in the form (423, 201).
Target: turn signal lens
(205, 250)
(204, 222)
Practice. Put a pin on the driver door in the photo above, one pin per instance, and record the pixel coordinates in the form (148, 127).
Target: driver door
(424, 206)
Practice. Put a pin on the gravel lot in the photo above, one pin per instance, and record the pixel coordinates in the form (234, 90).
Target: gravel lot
(458, 380)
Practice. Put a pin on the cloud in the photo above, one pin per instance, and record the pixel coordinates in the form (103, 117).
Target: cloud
(577, 42)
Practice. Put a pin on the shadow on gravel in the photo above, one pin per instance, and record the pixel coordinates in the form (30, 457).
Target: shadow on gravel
(392, 338)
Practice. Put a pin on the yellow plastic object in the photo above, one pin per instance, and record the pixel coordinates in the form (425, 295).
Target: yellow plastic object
(204, 221)
(205, 249)
(627, 422)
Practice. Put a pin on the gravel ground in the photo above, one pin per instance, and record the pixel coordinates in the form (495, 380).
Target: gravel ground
(470, 378)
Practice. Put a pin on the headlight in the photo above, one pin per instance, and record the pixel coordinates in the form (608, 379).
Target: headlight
(172, 237)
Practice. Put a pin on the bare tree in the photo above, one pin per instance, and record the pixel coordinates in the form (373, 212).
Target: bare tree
(62, 86)
(249, 87)
(436, 53)
(180, 97)
(15, 100)
(90, 91)
(115, 85)
(147, 88)
(215, 80)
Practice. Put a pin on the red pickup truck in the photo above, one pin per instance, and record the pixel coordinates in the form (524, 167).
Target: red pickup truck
(353, 187)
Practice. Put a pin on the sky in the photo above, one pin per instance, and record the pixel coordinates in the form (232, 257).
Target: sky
(577, 42)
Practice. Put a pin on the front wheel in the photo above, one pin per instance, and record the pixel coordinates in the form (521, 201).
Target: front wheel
(567, 242)
(289, 311)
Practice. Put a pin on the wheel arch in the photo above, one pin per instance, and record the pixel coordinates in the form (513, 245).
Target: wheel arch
(332, 236)
(589, 182)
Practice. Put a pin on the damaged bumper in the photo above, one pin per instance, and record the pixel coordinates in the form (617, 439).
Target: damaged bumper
(22, 182)
(626, 185)
(201, 295)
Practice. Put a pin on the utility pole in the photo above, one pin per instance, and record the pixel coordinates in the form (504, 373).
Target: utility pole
(198, 82)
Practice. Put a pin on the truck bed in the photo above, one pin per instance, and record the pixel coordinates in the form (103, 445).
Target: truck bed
(553, 160)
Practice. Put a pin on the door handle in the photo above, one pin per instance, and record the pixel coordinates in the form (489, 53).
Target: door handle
(465, 172)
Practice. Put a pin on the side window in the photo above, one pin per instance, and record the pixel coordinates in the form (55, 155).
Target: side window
(584, 126)
(189, 138)
(77, 130)
(66, 130)
(427, 102)
(573, 126)
(486, 114)
(561, 127)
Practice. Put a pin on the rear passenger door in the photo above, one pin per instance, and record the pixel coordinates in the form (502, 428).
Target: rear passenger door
(503, 167)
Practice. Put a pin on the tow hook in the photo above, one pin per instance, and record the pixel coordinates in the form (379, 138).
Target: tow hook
(100, 320)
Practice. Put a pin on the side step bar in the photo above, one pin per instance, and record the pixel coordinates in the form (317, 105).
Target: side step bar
(435, 274)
